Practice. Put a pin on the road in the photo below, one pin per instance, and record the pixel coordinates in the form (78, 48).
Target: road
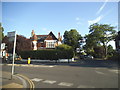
(68, 76)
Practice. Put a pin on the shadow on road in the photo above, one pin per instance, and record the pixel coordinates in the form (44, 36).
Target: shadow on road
(90, 63)
(80, 63)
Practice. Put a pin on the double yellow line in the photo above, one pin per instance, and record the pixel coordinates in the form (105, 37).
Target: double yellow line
(32, 86)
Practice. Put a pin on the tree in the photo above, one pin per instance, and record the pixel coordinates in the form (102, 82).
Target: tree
(1, 32)
(71, 38)
(22, 43)
(101, 34)
(110, 50)
(64, 47)
(98, 51)
(91, 44)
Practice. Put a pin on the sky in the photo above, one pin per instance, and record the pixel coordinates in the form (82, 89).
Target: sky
(43, 17)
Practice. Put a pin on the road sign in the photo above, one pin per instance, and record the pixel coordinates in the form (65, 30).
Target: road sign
(11, 34)
(11, 39)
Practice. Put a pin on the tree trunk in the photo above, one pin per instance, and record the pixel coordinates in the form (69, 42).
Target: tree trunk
(105, 48)
(68, 61)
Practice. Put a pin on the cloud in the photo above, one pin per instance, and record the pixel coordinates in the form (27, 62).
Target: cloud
(47, 30)
(101, 8)
(44, 29)
(78, 23)
(116, 24)
(95, 20)
(77, 18)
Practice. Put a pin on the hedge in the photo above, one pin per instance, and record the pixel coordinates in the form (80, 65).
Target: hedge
(54, 54)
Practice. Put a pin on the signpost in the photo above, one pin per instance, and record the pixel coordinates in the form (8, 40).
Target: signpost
(13, 34)
(2, 49)
(2, 46)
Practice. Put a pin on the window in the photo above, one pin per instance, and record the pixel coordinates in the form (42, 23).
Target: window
(50, 44)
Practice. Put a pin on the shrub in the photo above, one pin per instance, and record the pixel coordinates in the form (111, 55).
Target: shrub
(54, 54)
(115, 56)
(63, 47)
(65, 51)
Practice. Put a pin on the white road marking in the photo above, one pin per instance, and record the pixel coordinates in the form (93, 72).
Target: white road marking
(65, 84)
(36, 79)
(85, 86)
(114, 71)
(26, 65)
(97, 68)
(100, 72)
(49, 81)
(51, 66)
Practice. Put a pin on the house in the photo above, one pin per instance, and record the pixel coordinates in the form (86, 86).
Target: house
(45, 41)
(117, 42)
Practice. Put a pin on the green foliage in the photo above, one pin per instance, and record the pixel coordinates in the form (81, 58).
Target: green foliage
(98, 52)
(110, 51)
(65, 51)
(71, 38)
(53, 54)
(63, 47)
(99, 35)
(1, 32)
(115, 56)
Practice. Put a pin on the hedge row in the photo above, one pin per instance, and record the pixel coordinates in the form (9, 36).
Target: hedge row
(48, 54)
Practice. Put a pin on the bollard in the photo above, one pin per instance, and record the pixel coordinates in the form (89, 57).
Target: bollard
(28, 60)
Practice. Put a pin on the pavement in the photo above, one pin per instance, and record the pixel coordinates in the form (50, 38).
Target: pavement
(17, 81)
(81, 63)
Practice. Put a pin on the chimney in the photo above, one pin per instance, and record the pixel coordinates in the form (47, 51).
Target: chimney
(58, 35)
(32, 33)
(61, 38)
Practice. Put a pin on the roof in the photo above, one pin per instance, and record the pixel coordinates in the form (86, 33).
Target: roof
(41, 35)
(41, 38)
(51, 34)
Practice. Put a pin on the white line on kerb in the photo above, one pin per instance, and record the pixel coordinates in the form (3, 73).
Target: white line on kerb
(65, 84)
(99, 72)
(23, 81)
(114, 71)
(85, 86)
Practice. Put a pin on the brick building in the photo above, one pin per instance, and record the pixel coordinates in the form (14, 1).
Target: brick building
(45, 41)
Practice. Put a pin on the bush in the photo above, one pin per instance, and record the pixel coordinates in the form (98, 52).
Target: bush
(115, 56)
(65, 51)
(54, 54)
(64, 47)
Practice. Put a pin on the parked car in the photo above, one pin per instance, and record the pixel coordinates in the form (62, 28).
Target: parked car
(90, 57)
(17, 57)
(86, 57)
